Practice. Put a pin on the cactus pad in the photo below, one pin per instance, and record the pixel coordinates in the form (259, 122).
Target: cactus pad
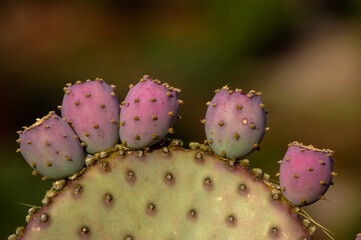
(92, 109)
(235, 122)
(51, 147)
(148, 113)
(305, 173)
(169, 193)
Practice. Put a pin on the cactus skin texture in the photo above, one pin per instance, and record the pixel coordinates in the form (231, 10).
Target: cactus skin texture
(235, 123)
(92, 108)
(148, 113)
(51, 147)
(169, 193)
(165, 191)
(305, 173)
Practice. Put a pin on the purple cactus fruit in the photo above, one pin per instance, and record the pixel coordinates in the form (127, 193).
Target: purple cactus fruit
(235, 122)
(305, 173)
(92, 109)
(358, 236)
(51, 147)
(148, 113)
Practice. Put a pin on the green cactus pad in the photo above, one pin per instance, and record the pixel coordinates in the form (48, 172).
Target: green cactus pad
(169, 193)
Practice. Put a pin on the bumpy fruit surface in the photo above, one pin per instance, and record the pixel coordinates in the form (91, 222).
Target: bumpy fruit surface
(305, 173)
(148, 113)
(169, 193)
(51, 147)
(92, 109)
(235, 123)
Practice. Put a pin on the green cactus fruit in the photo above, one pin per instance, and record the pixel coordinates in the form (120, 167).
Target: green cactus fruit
(167, 193)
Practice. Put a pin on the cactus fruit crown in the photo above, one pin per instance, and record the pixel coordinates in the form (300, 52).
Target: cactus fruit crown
(311, 147)
(38, 122)
(149, 186)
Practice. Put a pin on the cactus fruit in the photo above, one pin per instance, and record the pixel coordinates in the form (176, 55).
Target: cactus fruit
(148, 113)
(169, 193)
(92, 109)
(305, 173)
(51, 147)
(235, 122)
(165, 191)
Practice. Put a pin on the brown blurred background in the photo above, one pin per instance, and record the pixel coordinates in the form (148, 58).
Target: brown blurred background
(305, 56)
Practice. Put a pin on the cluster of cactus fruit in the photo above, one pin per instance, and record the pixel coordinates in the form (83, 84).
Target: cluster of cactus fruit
(134, 183)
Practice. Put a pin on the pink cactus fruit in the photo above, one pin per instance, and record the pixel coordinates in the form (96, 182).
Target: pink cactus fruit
(92, 109)
(235, 122)
(51, 147)
(358, 236)
(305, 173)
(148, 113)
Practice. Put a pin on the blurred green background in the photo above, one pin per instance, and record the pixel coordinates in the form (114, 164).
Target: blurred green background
(305, 56)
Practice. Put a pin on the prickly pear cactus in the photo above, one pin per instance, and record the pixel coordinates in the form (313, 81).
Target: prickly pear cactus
(149, 187)
(305, 173)
(148, 113)
(169, 193)
(92, 109)
(51, 147)
(235, 122)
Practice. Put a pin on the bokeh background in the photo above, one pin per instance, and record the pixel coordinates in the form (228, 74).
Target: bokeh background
(305, 56)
